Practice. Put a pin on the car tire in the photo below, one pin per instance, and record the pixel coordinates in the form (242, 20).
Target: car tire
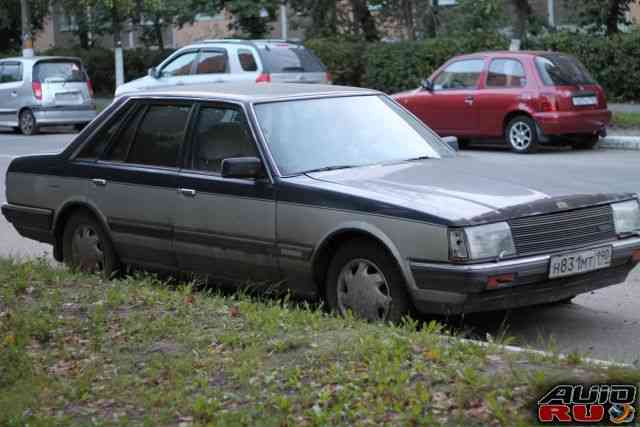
(364, 279)
(87, 247)
(585, 142)
(27, 123)
(522, 136)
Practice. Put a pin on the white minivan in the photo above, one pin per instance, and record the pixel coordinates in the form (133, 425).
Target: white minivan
(234, 61)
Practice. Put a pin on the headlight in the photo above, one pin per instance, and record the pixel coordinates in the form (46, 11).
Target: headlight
(626, 216)
(480, 242)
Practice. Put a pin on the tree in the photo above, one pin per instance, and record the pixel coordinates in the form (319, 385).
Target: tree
(252, 17)
(10, 22)
(597, 15)
(363, 21)
(522, 13)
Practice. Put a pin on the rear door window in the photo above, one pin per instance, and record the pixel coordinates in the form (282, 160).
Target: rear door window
(153, 136)
(460, 75)
(247, 60)
(10, 72)
(562, 70)
(212, 62)
(59, 70)
(506, 73)
(287, 58)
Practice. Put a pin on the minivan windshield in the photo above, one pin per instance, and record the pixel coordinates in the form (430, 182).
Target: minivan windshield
(341, 132)
(287, 58)
(59, 70)
(562, 70)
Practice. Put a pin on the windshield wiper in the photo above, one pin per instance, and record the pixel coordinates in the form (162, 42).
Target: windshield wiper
(330, 168)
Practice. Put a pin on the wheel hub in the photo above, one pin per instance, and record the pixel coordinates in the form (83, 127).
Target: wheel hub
(87, 249)
(520, 135)
(363, 289)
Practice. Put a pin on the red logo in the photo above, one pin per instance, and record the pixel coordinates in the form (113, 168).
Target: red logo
(578, 404)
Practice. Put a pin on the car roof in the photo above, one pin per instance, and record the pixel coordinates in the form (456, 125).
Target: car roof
(39, 58)
(508, 53)
(253, 92)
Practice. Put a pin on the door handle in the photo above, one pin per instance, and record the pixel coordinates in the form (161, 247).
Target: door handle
(469, 100)
(99, 182)
(187, 192)
(14, 93)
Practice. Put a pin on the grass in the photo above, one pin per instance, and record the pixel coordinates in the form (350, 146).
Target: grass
(626, 120)
(79, 350)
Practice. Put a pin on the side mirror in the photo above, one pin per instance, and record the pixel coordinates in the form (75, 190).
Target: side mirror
(153, 72)
(452, 142)
(427, 84)
(242, 167)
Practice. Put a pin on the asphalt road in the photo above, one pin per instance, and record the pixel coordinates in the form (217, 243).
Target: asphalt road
(603, 324)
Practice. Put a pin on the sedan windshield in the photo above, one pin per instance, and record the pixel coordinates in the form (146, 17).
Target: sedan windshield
(333, 133)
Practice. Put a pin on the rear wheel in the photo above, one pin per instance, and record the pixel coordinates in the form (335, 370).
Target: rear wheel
(27, 122)
(87, 247)
(521, 135)
(585, 142)
(365, 280)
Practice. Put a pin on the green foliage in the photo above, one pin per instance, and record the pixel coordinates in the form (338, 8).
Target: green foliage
(100, 64)
(474, 15)
(392, 67)
(10, 22)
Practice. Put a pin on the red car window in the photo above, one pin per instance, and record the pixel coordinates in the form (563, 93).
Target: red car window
(506, 73)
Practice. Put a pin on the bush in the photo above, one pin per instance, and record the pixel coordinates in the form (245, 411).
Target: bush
(100, 64)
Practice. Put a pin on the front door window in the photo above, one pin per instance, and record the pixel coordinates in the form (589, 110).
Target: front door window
(460, 75)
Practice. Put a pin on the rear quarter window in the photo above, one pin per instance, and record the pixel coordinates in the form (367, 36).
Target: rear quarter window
(290, 59)
(10, 72)
(59, 70)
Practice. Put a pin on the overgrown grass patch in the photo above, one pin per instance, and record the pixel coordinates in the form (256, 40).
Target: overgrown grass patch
(626, 120)
(79, 350)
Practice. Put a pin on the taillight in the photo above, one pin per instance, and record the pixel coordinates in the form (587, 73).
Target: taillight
(329, 77)
(90, 88)
(264, 78)
(37, 90)
(548, 103)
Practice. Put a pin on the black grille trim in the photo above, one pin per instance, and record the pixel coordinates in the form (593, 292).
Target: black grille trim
(563, 230)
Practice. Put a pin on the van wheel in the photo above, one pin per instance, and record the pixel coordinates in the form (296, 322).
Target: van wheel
(521, 135)
(28, 125)
(585, 142)
(87, 247)
(365, 280)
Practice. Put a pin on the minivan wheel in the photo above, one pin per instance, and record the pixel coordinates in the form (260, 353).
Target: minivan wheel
(86, 246)
(28, 125)
(365, 280)
(521, 135)
(585, 142)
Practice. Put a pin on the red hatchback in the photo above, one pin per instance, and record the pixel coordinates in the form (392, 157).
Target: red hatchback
(528, 98)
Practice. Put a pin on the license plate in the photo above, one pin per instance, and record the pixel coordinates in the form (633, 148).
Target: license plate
(580, 262)
(582, 101)
(68, 97)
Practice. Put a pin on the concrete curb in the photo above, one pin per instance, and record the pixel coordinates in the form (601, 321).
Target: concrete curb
(620, 142)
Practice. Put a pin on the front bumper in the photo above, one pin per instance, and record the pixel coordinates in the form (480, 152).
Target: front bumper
(68, 115)
(455, 289)
(573, 122)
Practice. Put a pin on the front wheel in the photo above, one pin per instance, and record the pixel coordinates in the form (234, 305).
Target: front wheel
(521, 135)
(86, 246)
(27, 122)
(365, 280)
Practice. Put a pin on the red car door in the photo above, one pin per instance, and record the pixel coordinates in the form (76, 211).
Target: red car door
(506, 88)
(449, 108)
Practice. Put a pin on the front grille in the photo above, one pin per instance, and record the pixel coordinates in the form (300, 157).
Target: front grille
(562, 230)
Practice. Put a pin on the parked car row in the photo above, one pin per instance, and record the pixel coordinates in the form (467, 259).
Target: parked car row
(329, 191)
(525, 98)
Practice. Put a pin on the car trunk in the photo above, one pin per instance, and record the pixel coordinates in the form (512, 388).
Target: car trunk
(63, 82)
(291, 63)
(569, 82)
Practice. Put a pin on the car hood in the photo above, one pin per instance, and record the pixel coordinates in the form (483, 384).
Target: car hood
(135, 85)
(465, 191)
